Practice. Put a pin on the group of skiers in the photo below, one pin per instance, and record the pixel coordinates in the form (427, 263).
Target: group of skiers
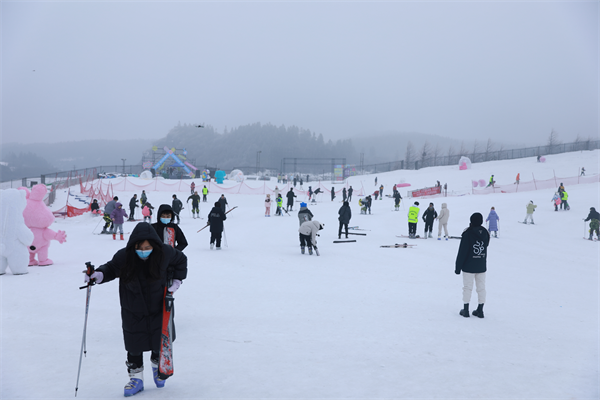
(560, 199)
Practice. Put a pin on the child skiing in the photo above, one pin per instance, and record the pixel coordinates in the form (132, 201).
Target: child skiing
(556, 200)
(304, 214)
(530, 210)
(215, 220)
(118, 216)
(493, 219)
(397, 199)
(279, 205)
(147, 212)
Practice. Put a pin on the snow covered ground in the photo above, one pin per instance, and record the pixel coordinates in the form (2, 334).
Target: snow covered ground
(260, 320)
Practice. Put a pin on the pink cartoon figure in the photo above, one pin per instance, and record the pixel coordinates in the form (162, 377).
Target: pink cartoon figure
(38, 218)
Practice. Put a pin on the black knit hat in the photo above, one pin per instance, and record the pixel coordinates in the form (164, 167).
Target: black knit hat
(476, 219)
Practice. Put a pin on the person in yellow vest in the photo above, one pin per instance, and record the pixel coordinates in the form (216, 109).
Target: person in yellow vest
(279, 205)
(563, 198)
(413, 218)
(204, 193)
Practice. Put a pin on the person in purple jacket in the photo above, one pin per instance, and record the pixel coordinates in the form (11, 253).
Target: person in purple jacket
(118, 216)
(493, 219)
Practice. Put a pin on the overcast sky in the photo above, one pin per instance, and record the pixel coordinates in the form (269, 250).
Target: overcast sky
(510, 71)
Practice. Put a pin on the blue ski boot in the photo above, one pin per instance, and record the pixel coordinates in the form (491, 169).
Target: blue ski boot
(136, 381)
(160, 383)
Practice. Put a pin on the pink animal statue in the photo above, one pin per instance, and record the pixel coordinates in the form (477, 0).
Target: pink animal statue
(38, 218)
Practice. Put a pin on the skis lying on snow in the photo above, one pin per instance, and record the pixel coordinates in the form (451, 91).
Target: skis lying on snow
(344, 241)
(416, 237)
(165, 359)
(591, 240)
(356, 228)
(398, 245)
(525, 223)
(361, 234)
(230, 210)
(454, 237)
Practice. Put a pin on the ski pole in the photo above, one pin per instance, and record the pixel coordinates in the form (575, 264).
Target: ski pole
(225, 237)
(230, 210)
(101, 220)
(88, 271)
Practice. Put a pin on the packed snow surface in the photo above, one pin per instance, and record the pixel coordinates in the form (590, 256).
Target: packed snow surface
(260, 320)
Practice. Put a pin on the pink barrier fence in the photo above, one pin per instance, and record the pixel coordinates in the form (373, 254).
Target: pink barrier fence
(159, 185)
(538, 184)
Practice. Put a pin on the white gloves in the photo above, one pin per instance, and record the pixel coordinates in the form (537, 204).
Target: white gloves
(174, 286)
(97, 275)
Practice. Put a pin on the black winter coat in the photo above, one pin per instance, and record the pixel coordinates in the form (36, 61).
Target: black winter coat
(133, 203)
(176, 205)
(593, 215)
(290, 197)
(345, 214)
(142, 298)
(429, 215)
(223, 202)
(170, 233)
(216, 216)
(472, 253)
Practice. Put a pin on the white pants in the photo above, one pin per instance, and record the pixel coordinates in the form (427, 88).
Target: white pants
(529, 216)
(440, 229)
(468, 279)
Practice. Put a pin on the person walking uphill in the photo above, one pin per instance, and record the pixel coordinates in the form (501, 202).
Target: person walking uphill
(471, 260)
(428, 217)
(118, 216)
(132, 206)
(177, 206)
(493, 219)
(223, 202)
(145, 268)
(345, 214)
(195, 204)
(443, 218)
(215, 220)
(204, 193)
(169, 232)
(413, 218)
(290, 200)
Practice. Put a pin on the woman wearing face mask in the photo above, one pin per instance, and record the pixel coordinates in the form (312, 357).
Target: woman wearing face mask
(168, 231)
(144, 268)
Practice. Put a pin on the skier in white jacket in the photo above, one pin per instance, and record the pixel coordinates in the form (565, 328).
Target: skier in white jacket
(308, 235)
(443, 221)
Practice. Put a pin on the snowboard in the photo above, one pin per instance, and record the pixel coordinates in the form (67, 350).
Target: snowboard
(165, 359)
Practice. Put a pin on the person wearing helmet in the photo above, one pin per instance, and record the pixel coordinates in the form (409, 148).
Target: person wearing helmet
(304, 214)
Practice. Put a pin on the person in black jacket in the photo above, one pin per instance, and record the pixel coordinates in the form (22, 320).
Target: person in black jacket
(169, 232)
(428, 217)
(195, 204)
(345, 214)
(350, 190)
(95, 207)
(594, 218)
(290, 200)
(332, 193)
(132, 205)
(471, 260)
(223, 203)
(145, 268)
(177, 206)
(215, 220)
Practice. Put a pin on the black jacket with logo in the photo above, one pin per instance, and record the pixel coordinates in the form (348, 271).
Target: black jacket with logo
(472, 253)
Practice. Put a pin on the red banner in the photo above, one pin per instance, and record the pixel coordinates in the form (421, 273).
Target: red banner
(427, 191)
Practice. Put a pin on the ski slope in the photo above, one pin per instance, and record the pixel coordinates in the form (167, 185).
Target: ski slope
(260, 320)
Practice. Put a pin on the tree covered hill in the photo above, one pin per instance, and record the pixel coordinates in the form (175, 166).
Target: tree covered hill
(239, 147)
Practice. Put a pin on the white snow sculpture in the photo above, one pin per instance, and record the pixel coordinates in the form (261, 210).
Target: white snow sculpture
(146, 175)
(16, 236)
(236, 175)
(464, 163)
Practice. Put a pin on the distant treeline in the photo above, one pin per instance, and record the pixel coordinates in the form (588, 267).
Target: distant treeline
(240, 146)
